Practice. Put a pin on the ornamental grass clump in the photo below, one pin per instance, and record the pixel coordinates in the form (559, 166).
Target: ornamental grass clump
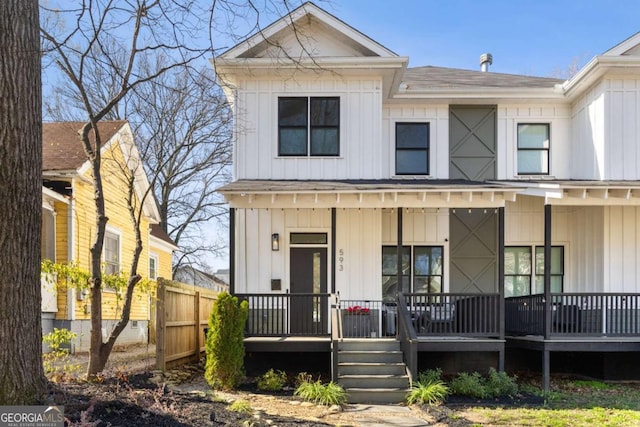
(272, 380)
(429, 389)
(321, 394)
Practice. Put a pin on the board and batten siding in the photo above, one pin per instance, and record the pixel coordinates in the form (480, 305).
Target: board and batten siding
(256, 263)
(622, 129)
(577, 228)
(588, 135)
(622, 248)
(559, 119)
(438, 118)
(256, 146)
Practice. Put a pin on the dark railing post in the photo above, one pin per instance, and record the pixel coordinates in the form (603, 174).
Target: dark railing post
(408, 338)
(547, 272)
(336, 335)
(399, 250)
(232, 251)
(501, 302)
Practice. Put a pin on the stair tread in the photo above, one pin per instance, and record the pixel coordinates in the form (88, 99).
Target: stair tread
(377, 389)
(377, 376)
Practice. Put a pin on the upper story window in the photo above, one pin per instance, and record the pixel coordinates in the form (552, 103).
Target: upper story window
(533, 149)
(412, 148)
(309, 126)
(153, 266)
(111, 253)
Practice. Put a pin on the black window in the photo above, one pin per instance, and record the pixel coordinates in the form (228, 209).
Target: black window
(520, 278)
(533, 149)
(412, 148)
(309, 126)
(421, 270)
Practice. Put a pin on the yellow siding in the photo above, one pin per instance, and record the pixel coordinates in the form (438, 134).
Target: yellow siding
(165, 260)
(115, 191)
(62, 212)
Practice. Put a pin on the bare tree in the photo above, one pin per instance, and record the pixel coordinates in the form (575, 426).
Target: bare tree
(107, 40)
(22, 378)
(183, 128)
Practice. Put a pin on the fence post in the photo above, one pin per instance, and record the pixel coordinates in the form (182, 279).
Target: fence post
(160, 325)
(196, 314)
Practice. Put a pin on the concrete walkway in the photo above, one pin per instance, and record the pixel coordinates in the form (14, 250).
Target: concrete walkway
(385, 416)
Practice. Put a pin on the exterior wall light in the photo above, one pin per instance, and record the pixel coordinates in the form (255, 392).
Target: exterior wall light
(275, 242)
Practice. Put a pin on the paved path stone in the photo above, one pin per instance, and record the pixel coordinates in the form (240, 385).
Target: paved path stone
(385, 416)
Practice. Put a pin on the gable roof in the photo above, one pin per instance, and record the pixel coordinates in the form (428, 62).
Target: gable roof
(160, 235)
(61, 146)
(625, 47)
(307, 14)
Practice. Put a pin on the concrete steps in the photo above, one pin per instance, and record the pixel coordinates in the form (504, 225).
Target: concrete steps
(372, 371)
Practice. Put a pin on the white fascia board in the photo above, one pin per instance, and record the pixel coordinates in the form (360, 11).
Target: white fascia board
(159, 243)
(597, 68)
(508, 94)
(290, 19)
(240, 66)
(53, 196)
(624, 46)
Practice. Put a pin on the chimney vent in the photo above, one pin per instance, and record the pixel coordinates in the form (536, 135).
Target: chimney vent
(486, 59)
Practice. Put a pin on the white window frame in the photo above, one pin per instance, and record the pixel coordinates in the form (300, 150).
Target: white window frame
(153, 256)
(519, 149)
(113, 232)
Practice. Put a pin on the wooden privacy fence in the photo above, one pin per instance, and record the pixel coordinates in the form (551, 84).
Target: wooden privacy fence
(182, 314)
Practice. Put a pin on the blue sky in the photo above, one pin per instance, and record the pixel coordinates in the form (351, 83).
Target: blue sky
(533, 37)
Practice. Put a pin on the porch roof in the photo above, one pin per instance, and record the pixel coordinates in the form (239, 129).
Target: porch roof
(389, 193)
(581, 192)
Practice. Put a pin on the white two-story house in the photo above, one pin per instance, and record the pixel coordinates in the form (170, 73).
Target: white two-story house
(450, 211)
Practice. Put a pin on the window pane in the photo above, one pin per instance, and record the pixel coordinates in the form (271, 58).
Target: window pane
(516, 286)
(293, 142)
(325, 111)
(411, 162)
(292, 111)
(557, 260)
(324, 142)
(412, 135)
(533, 136)
(308, 238)
(517, 260)
(390, 263)
(427, 260)
(556, 285)
(390, 288)
(533, 161)
(111, 253)
(430, 284)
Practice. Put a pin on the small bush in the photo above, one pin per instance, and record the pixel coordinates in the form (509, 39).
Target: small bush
(465, 384)
(430, 376)
(240, 406)
(272, 381)
(322, 394)
(55, 363)
(225, 342)
(500, 384)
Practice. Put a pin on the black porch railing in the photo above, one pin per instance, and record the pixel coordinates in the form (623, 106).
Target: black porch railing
(287, 314)
(361, 318)
(459, 314)
(575, 314)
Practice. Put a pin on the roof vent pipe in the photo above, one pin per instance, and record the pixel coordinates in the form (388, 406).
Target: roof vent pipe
(486, 59)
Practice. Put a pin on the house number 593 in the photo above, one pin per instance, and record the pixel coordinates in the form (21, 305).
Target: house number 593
(341, 260)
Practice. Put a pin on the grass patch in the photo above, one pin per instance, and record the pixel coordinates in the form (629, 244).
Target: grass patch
(556, 417)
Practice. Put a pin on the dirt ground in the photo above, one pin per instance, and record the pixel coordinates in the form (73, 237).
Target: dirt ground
(133, 393)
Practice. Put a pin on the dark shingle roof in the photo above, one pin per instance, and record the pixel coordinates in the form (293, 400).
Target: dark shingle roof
(157, 232)
(425, 78)
(61, 146)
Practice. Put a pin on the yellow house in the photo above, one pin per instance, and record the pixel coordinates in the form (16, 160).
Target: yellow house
(69, 228)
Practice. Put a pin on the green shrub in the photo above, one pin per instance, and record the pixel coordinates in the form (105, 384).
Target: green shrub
(55, 362)
(272, 380)
(225, 342)
(500, 384)
(240, 406)
(465, 384)
(430, 376)
(323, 394)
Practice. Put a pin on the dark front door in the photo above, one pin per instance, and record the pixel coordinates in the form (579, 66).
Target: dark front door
(308, 273)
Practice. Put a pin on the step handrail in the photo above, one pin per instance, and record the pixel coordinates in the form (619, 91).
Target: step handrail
(408, 338)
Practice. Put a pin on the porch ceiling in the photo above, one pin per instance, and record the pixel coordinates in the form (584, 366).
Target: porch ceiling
(368, 194)
(582, 193)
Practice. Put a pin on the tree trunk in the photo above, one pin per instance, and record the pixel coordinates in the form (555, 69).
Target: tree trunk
(22, 378)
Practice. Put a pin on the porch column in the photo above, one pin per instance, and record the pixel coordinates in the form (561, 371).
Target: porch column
(399, 251)
(333, 250)
(501, 311)
(232, 251)
(547, 271)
